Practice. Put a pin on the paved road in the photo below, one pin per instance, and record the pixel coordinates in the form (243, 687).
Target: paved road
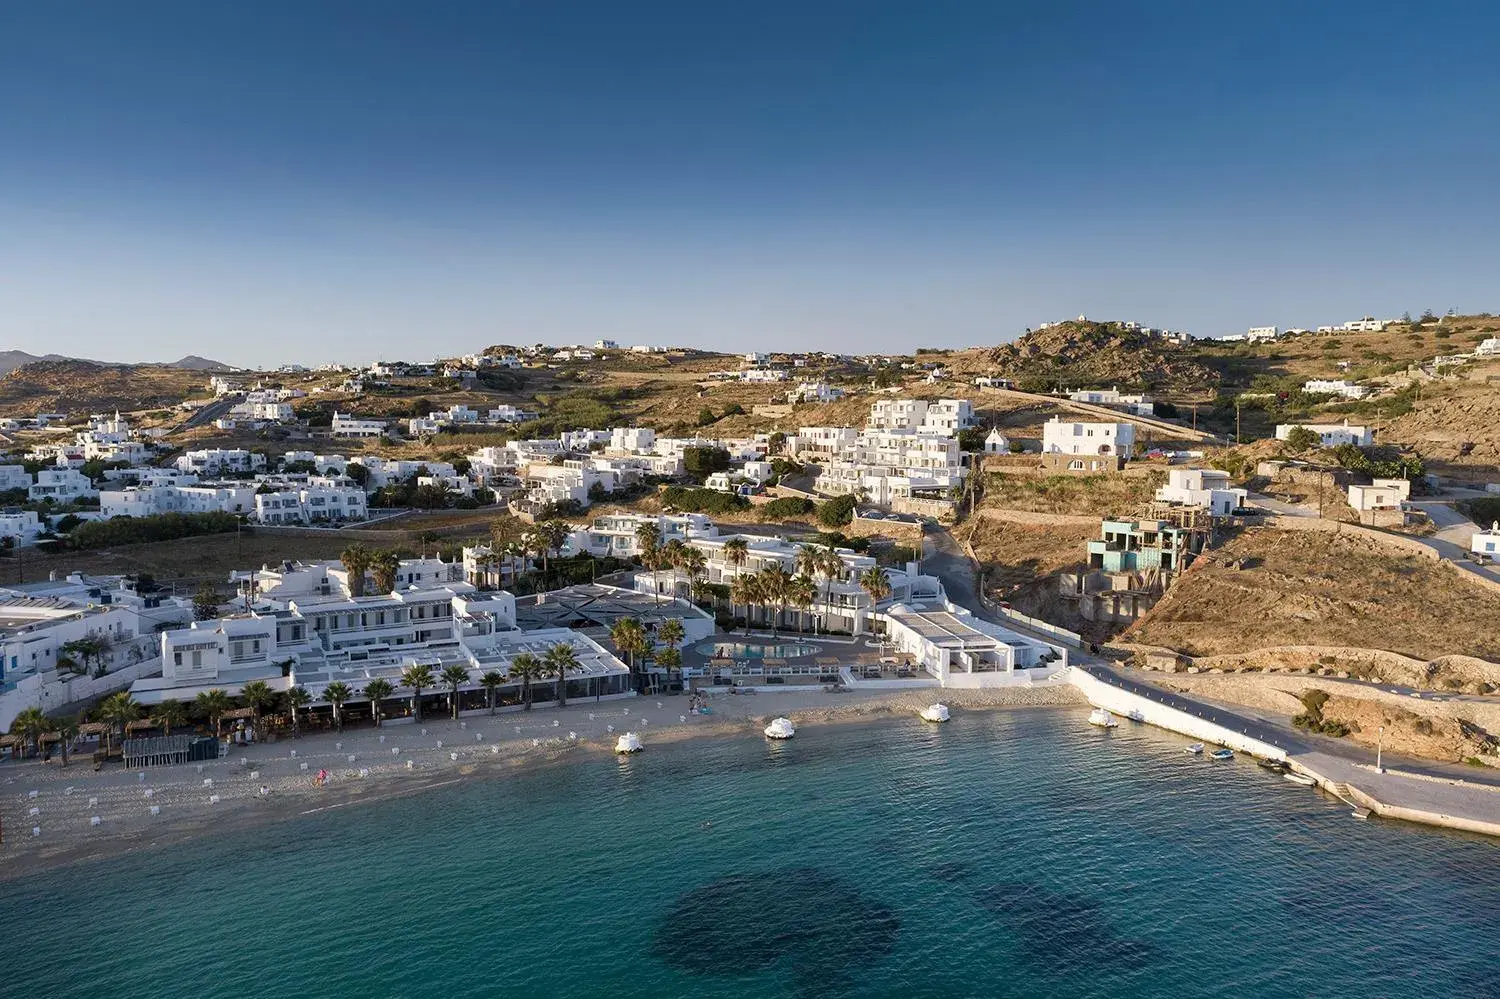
(211, 412)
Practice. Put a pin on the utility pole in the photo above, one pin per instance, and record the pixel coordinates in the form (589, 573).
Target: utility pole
(1195, 417)
(1236, 420)
(1379, 739)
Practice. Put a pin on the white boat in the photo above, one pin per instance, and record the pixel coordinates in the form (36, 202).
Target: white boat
(1196, 749)
(1222, 754)
(780, 728)
(1102, 718)
(630, 742)
(935, 713)
(1302, 779)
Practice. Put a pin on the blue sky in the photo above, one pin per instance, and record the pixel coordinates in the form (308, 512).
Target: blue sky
(322, 181)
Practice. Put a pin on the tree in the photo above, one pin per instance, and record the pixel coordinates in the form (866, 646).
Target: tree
(336, 693)
(800, 593)
(561, 658)
(416, 677)
(66, 728)
(771, 586)
(356, 559)
(384, 565)
(693, 562)
(205, 602)
(526, 668)
(213, 704)
(648, 540)
(169, 714)
(117, 709)
(30, 725)
(454, 677)
(838, 511)
(491, 682)
(706, 416)
(298, 698)
(671, 634)
(742, 592)
(629, 637)
(1301, 439)
(377, 690)
(258, 695)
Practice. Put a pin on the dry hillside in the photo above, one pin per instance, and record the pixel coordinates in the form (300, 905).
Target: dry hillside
(1455, 424)
(1269, 587)
(82, 387)
(1081, 354)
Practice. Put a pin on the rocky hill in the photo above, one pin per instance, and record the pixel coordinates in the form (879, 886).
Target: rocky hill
(10, 360)
(69, 386)
(1084, 354)
(196, 363)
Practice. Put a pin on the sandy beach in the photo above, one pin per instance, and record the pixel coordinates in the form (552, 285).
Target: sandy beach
(367, 765)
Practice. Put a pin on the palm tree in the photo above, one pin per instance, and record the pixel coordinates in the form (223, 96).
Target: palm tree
(673, 556)
(629, 637)
(830, 567)
(336, 693)
(377, 690)
(737, 551)
(30, 725)
(555, 534)
(874, 582)
(742, 591)
(694, 563)
(356, 559)
(561, 658)
(515, 550)
(526, 667)
(383, 567)
(671, 634)
(491, 682)
(454, 676)
(534, 542)
(117, 709)
(771, 583)
(416, 677)
(213, 704)
(169, 714)
(258, 694)
(800, 593)
(66, 728)
(298, 698)
(648, 540)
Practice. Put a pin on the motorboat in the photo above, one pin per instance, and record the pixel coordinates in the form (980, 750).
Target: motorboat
(1222, 754)
(934, 713)
(1136, 716)
(1102, 718)
(780, 728)
(1196, 749)
(1275, 766)
(1302, 779)
(630, 742)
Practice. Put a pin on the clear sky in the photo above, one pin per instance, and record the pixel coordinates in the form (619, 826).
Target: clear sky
(312, 181)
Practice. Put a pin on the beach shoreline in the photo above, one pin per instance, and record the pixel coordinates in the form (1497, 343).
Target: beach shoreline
(369, 765)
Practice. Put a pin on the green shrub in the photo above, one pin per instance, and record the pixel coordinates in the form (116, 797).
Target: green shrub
(711, 501)
(161, 527)
(786, 508)
(837, 512)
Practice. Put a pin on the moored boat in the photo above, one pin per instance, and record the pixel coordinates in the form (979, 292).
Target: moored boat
(1302, 779)
(630, 742)
(1196, 749)
(780, 728)
(1102, 718)
(934, 713)
(1222, 754)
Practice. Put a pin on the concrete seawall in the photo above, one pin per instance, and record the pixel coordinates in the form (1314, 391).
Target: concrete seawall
(1148, 709)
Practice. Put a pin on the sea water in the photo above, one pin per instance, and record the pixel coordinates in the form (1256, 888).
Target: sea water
(1006, 853)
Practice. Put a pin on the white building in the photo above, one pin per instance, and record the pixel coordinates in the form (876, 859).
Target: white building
(60, 485)
(814, 392)
(221, 461)
(961, 650)
(1381, 494)
(1331, 434)
(1489, 347)
(345, 425)
(995, 443)
(14, 477)
(319, 500)
(948, 416)
(1088, 438)
(20, 526)
(632, 439)
(897, 414)
(1338, 387)
(1140, 405)
(1261, 334)
(1486, 543)
(1206, 488)
(151, 500)
(763, 376)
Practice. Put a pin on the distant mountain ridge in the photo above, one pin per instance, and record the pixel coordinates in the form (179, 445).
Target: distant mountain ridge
(10, 360)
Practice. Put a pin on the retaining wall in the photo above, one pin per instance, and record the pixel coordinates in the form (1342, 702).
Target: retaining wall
(1131, 705)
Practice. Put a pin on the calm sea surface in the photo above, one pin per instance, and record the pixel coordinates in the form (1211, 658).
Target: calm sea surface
(1007, 853)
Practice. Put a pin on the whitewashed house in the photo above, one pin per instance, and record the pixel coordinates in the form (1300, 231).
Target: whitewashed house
(1331, 434)
(1205, 488)
(1334, 386)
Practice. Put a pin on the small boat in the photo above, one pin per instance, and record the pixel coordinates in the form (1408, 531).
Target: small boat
(780, 728)
(1196, 749)
(630, 742)
(1275, 766)
(1302, 779)
(1222, 754)
(934, 713)
(1103, 719)
(1136, 716)
(1361, 813)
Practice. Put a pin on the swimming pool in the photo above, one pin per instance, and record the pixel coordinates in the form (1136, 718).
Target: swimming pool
(755, 650)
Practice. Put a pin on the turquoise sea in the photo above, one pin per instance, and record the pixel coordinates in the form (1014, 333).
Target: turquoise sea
(1007, 853)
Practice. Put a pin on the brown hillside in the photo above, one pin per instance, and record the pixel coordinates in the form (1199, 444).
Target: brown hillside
(1082, 354)
(76, 387)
